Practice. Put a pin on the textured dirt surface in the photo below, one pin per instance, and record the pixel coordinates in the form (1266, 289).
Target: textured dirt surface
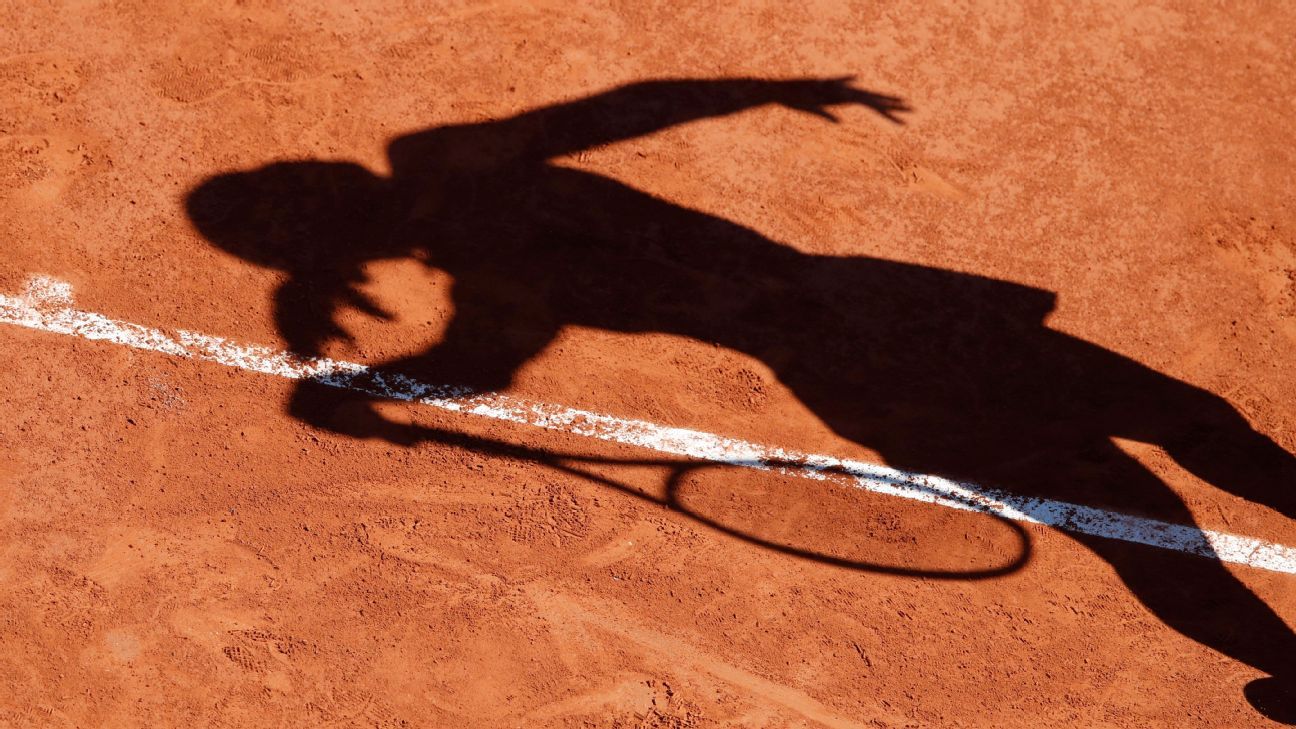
(177, 547)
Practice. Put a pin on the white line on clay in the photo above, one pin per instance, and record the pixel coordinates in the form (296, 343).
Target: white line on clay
(46, 305)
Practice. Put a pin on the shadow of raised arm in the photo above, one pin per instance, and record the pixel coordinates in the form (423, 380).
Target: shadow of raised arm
(623, 113)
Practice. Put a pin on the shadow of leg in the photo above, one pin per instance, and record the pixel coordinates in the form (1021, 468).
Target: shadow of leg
(1220, 447)
(1200, 598)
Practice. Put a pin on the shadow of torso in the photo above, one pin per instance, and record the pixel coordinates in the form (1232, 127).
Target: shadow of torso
(938, 370)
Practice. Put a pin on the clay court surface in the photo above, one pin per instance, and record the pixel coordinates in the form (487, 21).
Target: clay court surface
(1070, 274)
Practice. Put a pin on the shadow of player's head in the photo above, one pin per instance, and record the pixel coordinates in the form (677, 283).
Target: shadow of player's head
(295, 216)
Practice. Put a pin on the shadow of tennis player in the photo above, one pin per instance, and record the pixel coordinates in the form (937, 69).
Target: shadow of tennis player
(939, 371)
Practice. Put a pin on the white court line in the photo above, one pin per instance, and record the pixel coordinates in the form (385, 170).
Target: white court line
(47, 306)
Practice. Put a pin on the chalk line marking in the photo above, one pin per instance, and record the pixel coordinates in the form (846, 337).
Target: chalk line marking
(46, 305)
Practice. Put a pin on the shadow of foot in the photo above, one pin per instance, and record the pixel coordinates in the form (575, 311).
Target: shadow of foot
(1273, 697)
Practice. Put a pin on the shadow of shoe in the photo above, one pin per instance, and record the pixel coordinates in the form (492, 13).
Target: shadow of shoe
(1274, 697)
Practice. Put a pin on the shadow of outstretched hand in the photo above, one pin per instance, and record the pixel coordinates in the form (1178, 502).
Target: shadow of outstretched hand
(815, 95)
